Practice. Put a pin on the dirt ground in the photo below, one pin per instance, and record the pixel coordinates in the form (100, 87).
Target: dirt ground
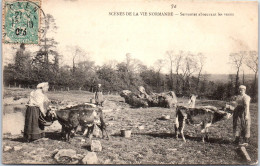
(152, 140)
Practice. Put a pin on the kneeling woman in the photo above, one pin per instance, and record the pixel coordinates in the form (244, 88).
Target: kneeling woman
(35, 112)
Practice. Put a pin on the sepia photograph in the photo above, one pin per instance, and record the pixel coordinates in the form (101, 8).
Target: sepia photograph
(112, 82)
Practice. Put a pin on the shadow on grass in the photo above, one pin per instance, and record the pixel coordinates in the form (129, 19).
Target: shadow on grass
(219, 141)
(87, 147)
(49, 135)
(207, 140)
(157, 135)
(116, 135)
(163, 119)
(20, 139)
(187, 137)
(53, 135)
(58, 136)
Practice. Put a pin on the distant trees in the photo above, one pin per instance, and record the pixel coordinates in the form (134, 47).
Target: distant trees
(236, 60)
(201, 62)
(178, 60)
(20, 71)
(185, 71)
(45, 62)
(115, 76)
(188, 67)
(171, 59)
(158, 67)
(247, 59)
(110, 79)
(251, 62)
(22, 67)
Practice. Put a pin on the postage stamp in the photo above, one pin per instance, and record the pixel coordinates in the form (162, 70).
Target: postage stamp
(21, 22)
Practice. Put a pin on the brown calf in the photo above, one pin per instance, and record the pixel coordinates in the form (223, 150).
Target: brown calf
(203, 116)
(83, 115)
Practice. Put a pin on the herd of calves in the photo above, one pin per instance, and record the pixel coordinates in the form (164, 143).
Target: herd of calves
(88, 115)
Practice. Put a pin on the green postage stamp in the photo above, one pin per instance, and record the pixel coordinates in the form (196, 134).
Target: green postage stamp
(21, 21)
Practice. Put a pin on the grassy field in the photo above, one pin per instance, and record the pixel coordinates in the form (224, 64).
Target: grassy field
(155, 144)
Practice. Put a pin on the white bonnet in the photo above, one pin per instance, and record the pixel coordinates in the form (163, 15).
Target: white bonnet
(242, 87)
(43, 84)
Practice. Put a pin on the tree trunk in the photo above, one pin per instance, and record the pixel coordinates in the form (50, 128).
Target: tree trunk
(73, 67)
(237, 82)
(198, 82)
(171, 78)
(177, 81)
(183, 86)
(158, 82)
(243, 78)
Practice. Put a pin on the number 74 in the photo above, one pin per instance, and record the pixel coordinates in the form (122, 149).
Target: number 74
(173, 6)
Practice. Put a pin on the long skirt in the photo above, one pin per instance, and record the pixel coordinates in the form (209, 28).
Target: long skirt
(33, 129)
(99, 98)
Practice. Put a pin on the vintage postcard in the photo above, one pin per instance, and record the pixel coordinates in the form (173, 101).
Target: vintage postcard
(130, 82)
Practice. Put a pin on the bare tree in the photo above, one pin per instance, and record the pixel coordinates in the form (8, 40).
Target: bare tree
(171, 58)
(158, 67)
(128, 61)
(48, 44)
(252, 62)
(236, 59)
(178, 59)
(188, 67)
(201, 63)
(134, 65)
(137, 66)
(79, 55)
(175, 60)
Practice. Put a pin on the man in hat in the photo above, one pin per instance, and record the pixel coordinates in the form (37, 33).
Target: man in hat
(242, 116)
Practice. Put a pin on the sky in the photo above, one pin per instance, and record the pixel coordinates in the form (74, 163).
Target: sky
(87, 23)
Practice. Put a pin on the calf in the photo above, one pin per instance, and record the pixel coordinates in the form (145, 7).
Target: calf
(84, 115)
(88, 118)
(203, 116)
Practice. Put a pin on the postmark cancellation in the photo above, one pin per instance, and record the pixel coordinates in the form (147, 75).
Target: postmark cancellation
(21, 21)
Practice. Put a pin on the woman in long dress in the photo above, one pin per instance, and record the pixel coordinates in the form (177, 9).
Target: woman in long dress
(36, 110)
(99, 96)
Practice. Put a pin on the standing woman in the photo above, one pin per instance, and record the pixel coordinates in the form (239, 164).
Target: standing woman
(241, 117)
(36, 110)
(99, 96)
